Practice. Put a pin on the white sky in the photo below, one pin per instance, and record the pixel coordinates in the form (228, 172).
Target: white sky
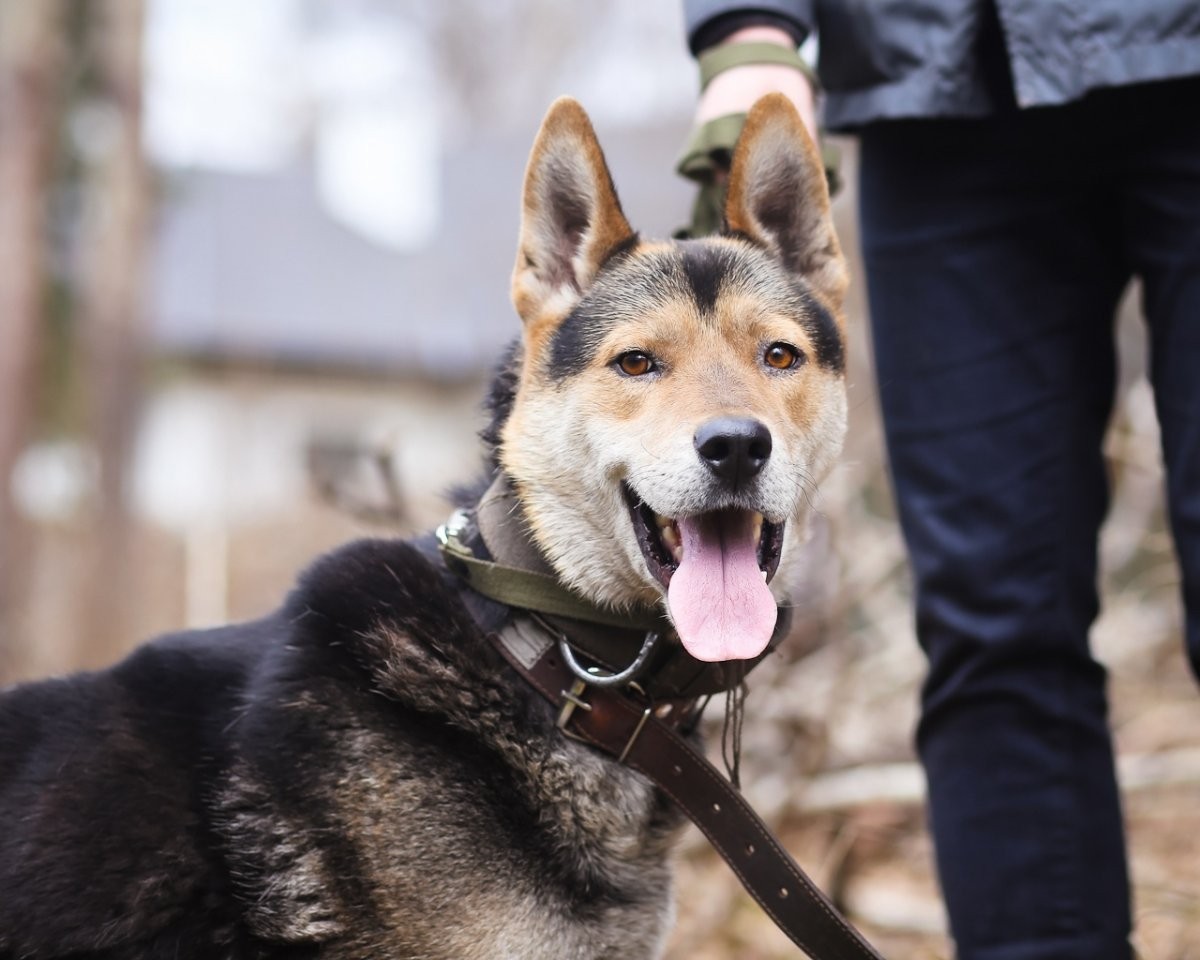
(246, 85)
(221, 83)
(241, 86)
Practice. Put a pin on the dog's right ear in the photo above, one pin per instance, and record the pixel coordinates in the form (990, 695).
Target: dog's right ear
(570, 219)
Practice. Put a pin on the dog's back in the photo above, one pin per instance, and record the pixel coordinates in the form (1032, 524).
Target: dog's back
(101, 783)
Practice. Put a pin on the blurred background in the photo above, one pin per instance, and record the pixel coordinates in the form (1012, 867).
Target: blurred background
(254, 268)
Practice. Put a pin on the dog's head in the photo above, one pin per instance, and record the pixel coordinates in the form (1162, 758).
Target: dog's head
(677, 402)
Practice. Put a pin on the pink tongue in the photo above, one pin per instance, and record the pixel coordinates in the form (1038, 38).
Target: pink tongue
(719, 602)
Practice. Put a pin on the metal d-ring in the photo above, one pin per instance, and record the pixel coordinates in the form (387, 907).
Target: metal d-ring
(597, 678)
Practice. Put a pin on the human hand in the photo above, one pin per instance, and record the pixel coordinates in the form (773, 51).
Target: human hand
(736, 90)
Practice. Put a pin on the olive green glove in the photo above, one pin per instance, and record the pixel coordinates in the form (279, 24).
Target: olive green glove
(709, 147)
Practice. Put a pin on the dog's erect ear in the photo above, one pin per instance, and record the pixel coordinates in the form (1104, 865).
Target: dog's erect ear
(570, 218)
(778, 195)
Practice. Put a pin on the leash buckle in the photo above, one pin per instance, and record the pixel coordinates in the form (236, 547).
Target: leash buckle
(572, 702)
(637, 732)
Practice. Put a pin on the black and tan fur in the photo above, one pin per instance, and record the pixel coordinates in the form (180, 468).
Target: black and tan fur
(359, 775)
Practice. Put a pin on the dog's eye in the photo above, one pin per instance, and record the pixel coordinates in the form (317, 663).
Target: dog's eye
(635, 364)
(782, 356)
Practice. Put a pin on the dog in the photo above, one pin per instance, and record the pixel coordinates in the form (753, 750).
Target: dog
(362, 774)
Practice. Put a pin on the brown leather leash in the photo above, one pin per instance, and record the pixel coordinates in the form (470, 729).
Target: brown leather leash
(646, 738)
(640, 721)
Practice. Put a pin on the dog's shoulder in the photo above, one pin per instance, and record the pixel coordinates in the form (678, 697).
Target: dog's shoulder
(404, 733)
(373, 583)
(389, 610)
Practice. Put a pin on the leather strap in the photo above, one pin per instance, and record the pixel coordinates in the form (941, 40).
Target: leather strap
(646, 738)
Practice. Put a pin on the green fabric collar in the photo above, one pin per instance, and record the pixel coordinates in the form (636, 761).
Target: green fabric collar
(519, 576)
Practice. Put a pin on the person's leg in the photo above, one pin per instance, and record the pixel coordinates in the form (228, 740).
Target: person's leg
(993, 274)
(1162, 218)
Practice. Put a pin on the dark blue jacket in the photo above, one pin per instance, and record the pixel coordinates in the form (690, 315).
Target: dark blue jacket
(885, 59)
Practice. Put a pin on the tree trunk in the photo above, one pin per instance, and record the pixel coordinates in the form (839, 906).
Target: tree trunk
(114, 266)
(30, 58)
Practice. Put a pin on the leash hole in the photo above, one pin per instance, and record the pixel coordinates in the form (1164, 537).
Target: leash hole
(677, 770)
(749, 849)
(783, 893)
(716, 808)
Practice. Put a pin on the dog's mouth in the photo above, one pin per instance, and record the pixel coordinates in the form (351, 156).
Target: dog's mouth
(715, 567)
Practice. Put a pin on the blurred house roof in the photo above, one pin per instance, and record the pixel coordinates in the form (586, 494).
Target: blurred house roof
(252, 267)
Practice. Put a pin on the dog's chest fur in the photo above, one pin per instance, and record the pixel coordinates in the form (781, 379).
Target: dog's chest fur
(425, 805)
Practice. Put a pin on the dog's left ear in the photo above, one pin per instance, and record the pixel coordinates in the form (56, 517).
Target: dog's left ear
(570, 219)
(779, 197)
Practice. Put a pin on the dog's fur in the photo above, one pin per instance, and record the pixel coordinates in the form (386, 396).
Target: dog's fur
(360, 775)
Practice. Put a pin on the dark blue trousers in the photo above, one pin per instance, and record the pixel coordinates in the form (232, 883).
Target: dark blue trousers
(996, 251)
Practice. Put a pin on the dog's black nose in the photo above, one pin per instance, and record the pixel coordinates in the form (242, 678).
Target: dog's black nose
(734, 448)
